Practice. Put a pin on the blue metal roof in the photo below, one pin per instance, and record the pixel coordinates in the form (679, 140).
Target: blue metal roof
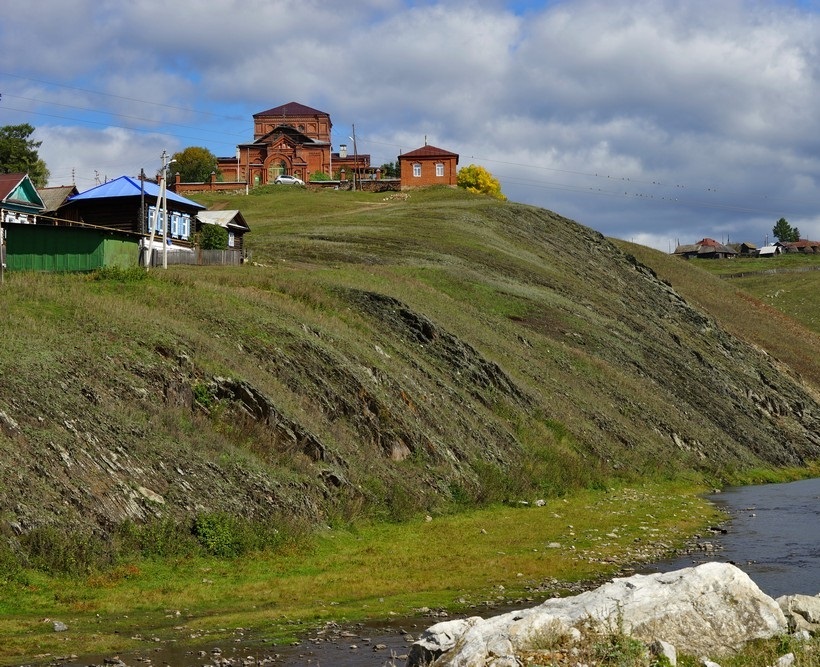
(125, 186)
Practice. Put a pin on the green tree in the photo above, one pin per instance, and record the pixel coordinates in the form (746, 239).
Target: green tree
(18, 152)
(390, 170)
(783, 231)
(480, 181)
(194, 165)
(213, 237)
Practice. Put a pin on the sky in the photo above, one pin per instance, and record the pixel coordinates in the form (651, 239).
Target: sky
(660, 122)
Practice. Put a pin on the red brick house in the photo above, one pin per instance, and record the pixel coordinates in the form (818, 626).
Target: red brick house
(289, 139)
(428, 165)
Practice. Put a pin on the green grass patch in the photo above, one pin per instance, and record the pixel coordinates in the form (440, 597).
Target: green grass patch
(376, 570)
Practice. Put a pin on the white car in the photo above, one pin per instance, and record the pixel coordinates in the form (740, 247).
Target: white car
(288, 180)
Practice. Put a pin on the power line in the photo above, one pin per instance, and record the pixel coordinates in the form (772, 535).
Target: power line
(105, 124)
(120, 97)
(119, 115)
(580, 189)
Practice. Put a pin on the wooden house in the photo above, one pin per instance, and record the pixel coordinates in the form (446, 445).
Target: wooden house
(769, 250)
(705, 249)
(130, 205)
(53, 198)
(20, 202)
(231, 220)
(744, 249)
(802, 246)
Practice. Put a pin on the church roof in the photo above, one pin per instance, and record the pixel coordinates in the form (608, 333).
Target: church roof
(292, 109)
(292, 133)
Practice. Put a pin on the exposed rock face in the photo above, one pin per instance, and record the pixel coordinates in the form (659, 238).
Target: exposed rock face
(711, 609)
(536, 343)
(802, 612)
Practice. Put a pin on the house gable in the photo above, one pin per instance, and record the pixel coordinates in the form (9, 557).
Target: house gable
(19, 200)
(18, 192)
(54, 198)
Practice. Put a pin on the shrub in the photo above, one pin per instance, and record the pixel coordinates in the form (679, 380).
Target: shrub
(161, 537)
(218, 534)
(63, 551)
(213, 237)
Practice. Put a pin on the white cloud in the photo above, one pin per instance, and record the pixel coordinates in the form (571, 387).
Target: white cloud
(92, 156)
(646, 120)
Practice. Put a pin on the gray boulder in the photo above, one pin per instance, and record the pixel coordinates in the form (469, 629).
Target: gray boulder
(711, 609)
(802, 612)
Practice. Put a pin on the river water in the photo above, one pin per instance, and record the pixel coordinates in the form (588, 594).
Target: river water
(773, 536)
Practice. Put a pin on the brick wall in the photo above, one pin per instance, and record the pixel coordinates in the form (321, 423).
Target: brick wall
(428, 171)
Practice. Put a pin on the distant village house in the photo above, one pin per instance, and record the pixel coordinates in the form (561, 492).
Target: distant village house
(20, 203)
(705, 249)
(427, 166)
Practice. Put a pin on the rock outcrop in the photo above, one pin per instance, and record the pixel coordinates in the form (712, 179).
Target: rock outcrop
(802, 612)
(711, 609)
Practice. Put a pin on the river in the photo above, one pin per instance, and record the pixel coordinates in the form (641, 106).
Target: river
(773, 536)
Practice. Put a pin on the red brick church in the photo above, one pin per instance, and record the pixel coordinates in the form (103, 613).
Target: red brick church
(291, 139)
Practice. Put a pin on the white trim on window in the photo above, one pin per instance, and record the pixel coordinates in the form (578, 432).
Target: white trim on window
(416, 169)
(439, 169)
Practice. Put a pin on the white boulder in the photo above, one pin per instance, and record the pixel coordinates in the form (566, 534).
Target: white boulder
(711, 609)
(802, 612)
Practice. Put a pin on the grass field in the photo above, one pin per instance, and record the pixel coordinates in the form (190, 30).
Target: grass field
(445, 356)
(373, 571)
(771, 310)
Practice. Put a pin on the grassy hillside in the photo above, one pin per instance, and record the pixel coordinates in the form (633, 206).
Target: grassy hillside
(771, 303)
(379, 357)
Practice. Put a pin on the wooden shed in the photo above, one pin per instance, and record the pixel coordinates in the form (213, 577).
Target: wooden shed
(231, 220)
(60, 248)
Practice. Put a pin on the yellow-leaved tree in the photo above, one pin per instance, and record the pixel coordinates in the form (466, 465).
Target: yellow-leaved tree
(480, 181)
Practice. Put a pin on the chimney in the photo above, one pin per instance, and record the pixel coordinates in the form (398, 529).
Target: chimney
(342, 150)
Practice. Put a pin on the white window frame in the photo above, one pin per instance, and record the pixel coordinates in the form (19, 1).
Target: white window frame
(231, 239)
(417, 169)
(439, 169)
(152, 211)
(185, 232)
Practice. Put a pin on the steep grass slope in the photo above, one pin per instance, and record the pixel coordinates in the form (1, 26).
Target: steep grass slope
(377, 357)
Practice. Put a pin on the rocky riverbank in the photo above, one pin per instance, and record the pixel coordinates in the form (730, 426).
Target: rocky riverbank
(710, 610)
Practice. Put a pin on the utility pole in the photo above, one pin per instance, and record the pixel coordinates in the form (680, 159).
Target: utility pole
(355, 157)
(142, 197)
(163, 192)
(162, 203)
(2, 253)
